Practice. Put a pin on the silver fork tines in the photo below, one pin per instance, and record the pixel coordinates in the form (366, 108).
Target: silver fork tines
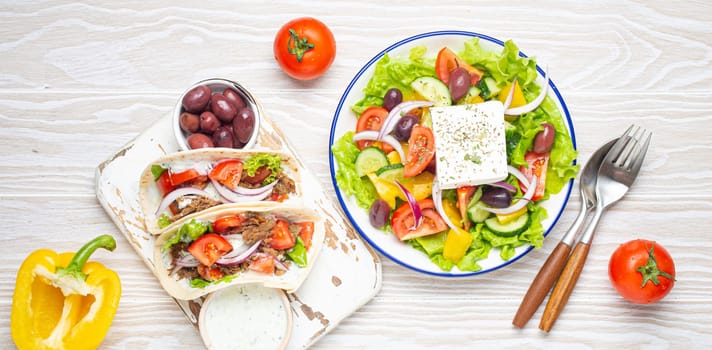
(627, 154)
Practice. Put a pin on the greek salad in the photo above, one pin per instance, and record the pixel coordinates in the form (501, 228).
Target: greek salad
(454, 154)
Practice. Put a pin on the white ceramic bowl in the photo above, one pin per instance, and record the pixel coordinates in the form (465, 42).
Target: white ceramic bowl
(247, 316)
(217, 86)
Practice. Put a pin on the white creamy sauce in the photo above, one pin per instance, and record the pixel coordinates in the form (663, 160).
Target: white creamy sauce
(244, 317)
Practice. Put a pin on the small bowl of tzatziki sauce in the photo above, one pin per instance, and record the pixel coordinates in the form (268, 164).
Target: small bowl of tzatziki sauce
(247, 316)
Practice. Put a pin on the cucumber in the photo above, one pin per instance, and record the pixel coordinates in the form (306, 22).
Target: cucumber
(475, 197)
(433, 90)
(509, 229)
(477, 214)
(369, 160)
(391, 172)
(492, 86)
(473, 92)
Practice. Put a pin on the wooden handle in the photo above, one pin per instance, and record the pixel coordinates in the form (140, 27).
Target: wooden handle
(564, 286)
(541, 284)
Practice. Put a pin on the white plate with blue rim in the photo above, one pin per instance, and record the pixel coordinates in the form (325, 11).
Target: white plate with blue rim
(345, 120)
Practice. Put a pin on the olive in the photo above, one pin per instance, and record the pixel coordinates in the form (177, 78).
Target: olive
(189, 122)
(379, 212)
(496, 197)
(244, 124)
(196, 141)
(222, 137)
(209, 122)
(260, 175)
(196, 99)
(544, 140)
(459, 83)
(235, 98)
(392, 98)
(222, 108)
(404, 126)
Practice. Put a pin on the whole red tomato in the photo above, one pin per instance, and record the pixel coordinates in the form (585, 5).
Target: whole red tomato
(642, 271)
(304, 48)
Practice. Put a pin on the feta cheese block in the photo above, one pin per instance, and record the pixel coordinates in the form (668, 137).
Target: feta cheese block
(470, 146)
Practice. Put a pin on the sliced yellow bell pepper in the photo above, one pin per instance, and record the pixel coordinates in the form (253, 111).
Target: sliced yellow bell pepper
(421, 185)
(452, 212)
(456, 244)
(505, 218)
(518, 98)
(61, 301)
(387, 190)
(393, 157)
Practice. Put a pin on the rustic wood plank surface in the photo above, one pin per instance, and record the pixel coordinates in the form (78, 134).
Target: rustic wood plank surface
(78, 81)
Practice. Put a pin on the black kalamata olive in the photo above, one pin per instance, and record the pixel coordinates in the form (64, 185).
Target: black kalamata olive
(379, 212)
(404, 127)
(392, 98)
(544, 140)
(459, 83)
(496, 197)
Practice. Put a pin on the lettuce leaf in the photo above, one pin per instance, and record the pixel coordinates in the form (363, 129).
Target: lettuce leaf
(189, 232)
(272, 161)
(345, 152)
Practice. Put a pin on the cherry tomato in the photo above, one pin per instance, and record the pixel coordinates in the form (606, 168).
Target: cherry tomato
(447, 61)
(464, 195)
(225, 223)
(403, 221)
(372, 119)
(642, 271)
(304, 48)
(306, 233)
(209, 247)
(537, 165)
(210, 273)
(263, 264)
(227, 172)
(260, 175)
(421, 150)
(183, 176)
(281, 238)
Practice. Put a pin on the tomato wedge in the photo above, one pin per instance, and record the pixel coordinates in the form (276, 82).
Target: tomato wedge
(464, 194)
(306, 233)
(225, 223)
(227, 172)
(183, 176)
(210, 273)
(448, 60)
(164, 184)
(403, 221)
(537, 165)
(262, 264)
(421, 150)
(281, 238)
(209, 247)
(372, 119)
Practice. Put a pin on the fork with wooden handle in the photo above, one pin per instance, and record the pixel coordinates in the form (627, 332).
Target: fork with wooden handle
(617, 173)
(551, 269)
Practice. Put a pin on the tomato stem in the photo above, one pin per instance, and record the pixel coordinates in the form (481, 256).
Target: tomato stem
(650, 270)
(298, 46)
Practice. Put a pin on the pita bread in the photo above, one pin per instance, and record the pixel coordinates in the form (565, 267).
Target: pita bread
(150, 197)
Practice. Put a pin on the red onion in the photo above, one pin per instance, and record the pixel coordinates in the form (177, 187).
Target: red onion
(531, 188)
(233, 197)
(510, 95)
(397, 112)
(414, 207)
(506, 186)
(187, 260)
(518, 174)
(254, 191)
(531, 105)
(438, 201)
(230, 259)
(373, 135)
(177, 193)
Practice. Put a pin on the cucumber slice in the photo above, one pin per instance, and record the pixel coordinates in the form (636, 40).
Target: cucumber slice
(492, 86)
(391, 172)
(369, 160)
(475, 197)
(473, 92)
(509, 229)
(432, 89)
(477, 214)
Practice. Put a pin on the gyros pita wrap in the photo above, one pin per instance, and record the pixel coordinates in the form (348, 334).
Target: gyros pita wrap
(184, 184)
(178, 265)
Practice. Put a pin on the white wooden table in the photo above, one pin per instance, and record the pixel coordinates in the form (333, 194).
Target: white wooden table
(79, 81)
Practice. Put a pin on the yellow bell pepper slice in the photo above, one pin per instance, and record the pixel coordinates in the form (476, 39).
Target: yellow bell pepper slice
(452, 212)
(421, 185)
(61, 301)
(456, 244)
(505, 218)
(393, 157)
(387, 190)
(518, 98)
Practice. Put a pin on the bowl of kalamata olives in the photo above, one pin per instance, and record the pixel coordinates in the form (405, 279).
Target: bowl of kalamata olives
(216, 113)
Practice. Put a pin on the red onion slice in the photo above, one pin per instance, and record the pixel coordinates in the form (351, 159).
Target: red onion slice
(414, 207)
(438, 201)
(233, 197)
(531, 188)
(518, 174)
(373, 135)
(397, 112)
(510, 95)
(240, 258)
(507, 186)
(177, 193)
(254, 191)
(187, 260)
(531, 105)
